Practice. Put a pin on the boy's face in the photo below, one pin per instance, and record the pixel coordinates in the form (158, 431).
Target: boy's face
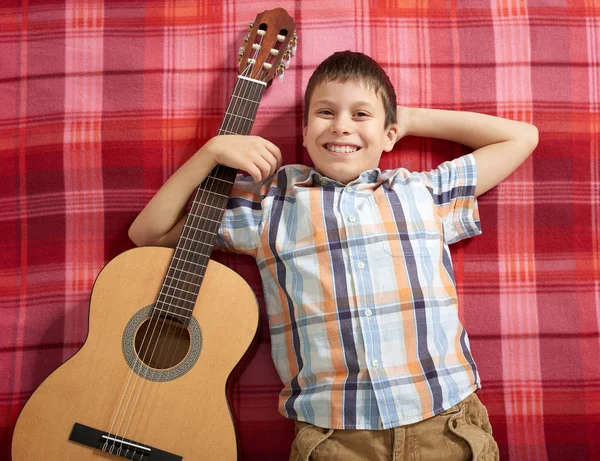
(346, 133)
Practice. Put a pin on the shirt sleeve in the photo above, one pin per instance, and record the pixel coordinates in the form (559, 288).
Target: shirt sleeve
(452, 185)
(242, 221)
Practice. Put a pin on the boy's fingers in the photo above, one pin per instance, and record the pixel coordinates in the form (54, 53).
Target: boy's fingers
(273, 149)
(254, 171)
(264, 168)
(271, 160)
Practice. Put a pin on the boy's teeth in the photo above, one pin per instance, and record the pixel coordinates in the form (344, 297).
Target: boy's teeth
(341, 149)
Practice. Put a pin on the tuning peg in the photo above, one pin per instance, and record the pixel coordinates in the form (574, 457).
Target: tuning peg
(294, 43)
(280, 71)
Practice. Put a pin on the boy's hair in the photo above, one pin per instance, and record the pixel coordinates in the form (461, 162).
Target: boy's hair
(342, 66)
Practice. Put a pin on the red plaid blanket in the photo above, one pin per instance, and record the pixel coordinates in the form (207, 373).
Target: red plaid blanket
(101, 101)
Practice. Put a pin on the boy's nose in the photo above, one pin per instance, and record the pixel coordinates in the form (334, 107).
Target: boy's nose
(341, 126)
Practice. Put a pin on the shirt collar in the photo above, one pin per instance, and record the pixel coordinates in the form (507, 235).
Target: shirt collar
(374, 177)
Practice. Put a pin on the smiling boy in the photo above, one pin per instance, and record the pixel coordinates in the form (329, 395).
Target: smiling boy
(346, 130)
(356, 268)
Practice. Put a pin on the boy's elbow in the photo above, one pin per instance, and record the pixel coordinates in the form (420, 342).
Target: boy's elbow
(528, 139)
(532, 136)
(133, 236)
(137, 237)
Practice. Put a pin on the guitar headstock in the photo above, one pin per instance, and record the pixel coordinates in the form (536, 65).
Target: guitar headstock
(269, 46)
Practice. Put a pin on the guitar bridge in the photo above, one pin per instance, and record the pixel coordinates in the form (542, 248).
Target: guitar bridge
(124, 448)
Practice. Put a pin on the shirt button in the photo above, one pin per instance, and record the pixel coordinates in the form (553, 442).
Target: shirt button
(352, 218)
(361, 265)
(375, 363)
(323, 181)
(368, 313)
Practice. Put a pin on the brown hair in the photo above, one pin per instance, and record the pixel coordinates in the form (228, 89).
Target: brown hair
(349, 65)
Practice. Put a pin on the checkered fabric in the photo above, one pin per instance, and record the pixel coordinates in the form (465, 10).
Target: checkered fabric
(100, 102)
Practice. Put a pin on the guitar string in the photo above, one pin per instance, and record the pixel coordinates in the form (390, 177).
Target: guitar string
(201, 200)
(165, 295)
(210, 179)
(168, 328)
(211, 185)
(153, 322)
(110, 432)
(181, 330)
(246, 119)
(208, 187)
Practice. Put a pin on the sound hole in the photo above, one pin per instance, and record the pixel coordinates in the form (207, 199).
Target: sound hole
(162, 342)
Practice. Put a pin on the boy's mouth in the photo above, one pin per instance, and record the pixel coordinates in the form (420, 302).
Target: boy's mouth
(341, 148)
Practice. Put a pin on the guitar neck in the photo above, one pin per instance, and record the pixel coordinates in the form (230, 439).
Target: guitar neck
(187, 268)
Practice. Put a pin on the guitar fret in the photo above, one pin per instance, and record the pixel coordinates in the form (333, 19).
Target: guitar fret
(212, 206)
(222, 180)
(164, 302)
(216, 193)
(212, 220)
(187, 272)
(184, 281)
(156, 309)
(198, 229)
(239, 116)
(245, 99)
(197, 241)
(195, 252)
(180, 289)
(189, 261)
(182, 299)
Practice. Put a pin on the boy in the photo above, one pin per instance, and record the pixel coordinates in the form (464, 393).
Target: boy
(356, 268)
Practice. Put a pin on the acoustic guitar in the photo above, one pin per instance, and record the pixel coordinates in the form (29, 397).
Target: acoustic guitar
(167, 326)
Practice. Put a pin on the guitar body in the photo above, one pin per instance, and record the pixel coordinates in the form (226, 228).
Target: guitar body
(187, 414)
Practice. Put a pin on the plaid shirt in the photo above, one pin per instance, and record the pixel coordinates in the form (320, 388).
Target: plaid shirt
(359, 289)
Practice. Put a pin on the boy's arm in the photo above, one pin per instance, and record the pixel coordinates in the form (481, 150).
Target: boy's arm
(162, 219)
(501, 145)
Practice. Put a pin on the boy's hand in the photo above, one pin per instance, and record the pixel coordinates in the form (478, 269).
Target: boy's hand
(255, 155)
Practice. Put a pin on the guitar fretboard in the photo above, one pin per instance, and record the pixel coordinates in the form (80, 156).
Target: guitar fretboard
(186, 271)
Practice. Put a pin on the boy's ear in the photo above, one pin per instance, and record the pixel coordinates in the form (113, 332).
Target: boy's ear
(391, 135)
(304, 130)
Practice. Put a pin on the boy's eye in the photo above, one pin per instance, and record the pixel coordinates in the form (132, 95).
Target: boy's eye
(325, 112)
(362, 114)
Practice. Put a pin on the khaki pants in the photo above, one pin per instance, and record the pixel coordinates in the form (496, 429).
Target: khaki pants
(462, 432)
